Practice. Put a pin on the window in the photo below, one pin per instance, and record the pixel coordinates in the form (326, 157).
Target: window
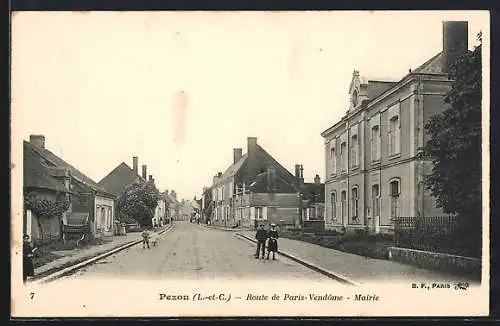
(333, 202)
(343, 156)
(394, 136)
(259, 214)
(333, 158)
(394, 194)
(375, 143)
(222, 192)
(354, 150)
(355, 203)
(375, 200)
(343, 210)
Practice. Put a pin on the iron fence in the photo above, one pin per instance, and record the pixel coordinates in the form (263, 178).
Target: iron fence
(441, 234)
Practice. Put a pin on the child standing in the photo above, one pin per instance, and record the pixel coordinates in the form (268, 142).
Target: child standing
(146, 235)
(272, 244)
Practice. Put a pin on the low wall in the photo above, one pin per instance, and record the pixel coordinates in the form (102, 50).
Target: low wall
(313, 226)
(437, 261)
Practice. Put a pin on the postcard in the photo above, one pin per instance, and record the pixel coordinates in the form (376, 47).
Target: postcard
(245, 163)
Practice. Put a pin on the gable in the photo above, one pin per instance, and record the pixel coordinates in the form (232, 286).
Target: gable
(118, 179)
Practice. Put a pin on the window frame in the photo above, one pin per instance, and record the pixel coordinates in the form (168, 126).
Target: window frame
(333, 205)
(355, 204)
(395, 198)
(375, 143)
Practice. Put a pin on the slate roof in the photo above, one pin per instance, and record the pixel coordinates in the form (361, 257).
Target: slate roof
(119, 178)
(432, 66)
(36, 173)
(260, 185)
(377, 87)
(233, 169)
(54, 160)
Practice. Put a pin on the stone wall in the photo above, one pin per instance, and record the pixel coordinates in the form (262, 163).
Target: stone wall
(437, 261)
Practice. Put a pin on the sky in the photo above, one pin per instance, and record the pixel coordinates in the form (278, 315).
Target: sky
(180, 90)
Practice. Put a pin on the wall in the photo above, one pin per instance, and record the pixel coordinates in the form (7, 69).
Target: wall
(104, 223)
(50, 228)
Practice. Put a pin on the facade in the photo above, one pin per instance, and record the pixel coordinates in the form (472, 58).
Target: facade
(254, 189)
(374, 164)
(86, 197)
(313, 198)
(171, 205)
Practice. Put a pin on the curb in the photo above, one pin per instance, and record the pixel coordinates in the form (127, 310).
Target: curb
(310, 265)
(222, 229)
(87, 261)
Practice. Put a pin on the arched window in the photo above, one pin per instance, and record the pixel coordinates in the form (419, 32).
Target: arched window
(394, 136)
(343, 206)
(343, 156)
(333, 158)
(394, 193)
(355, 204)
(354, 150)
(375, 200)
(354, 99)
(375, 143)
(333, 203)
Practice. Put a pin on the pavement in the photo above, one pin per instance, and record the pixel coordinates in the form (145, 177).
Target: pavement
(78, 255)
(357, 268)
(193, 252)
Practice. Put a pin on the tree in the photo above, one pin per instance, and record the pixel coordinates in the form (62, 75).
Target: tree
(455, 144)
(138, 201)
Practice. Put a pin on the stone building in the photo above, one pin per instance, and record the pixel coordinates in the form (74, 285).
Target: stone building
(254, 189)
(374, 164)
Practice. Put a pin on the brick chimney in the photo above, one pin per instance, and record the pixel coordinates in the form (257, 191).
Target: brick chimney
(144, 172)
(455, 42)
(135, 164)
(150, 177)
(38, 140)
(237, 154)
(317, 179)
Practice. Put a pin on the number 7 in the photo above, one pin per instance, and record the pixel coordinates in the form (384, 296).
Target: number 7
(32, 295)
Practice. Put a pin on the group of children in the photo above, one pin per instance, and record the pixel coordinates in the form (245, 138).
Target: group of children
(271, 237)
(149, 235)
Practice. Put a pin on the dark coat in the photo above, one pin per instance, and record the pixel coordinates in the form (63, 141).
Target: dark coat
(28, 266)
(261, 235)
(272, 244)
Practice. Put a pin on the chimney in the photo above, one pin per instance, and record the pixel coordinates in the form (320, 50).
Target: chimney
(135, 164)
(251, 144)
(144, 172)
(455, 42)
(271, 179)
(237, 154)
(297, 171)
(38, 140)
(150, 177)
(317, 179)
(219, 174)
(301, 176)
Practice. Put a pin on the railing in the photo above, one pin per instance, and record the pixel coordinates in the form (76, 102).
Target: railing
(437, 234)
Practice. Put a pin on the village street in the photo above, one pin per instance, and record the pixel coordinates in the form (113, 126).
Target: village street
(191, 251)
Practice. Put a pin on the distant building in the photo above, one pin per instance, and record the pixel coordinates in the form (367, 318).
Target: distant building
(374, 164)
(123, 175)
(254, 189)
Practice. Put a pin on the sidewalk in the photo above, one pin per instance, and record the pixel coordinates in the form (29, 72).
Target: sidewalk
(77, 255)
(358, 268)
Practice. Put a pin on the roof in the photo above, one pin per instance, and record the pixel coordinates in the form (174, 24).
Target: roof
(432, 66)
(36, 173)
(314, 192)
(377, 87)
(56, 161)
(119, 178)
(260, 185)
(78, 219)
(233, 169)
